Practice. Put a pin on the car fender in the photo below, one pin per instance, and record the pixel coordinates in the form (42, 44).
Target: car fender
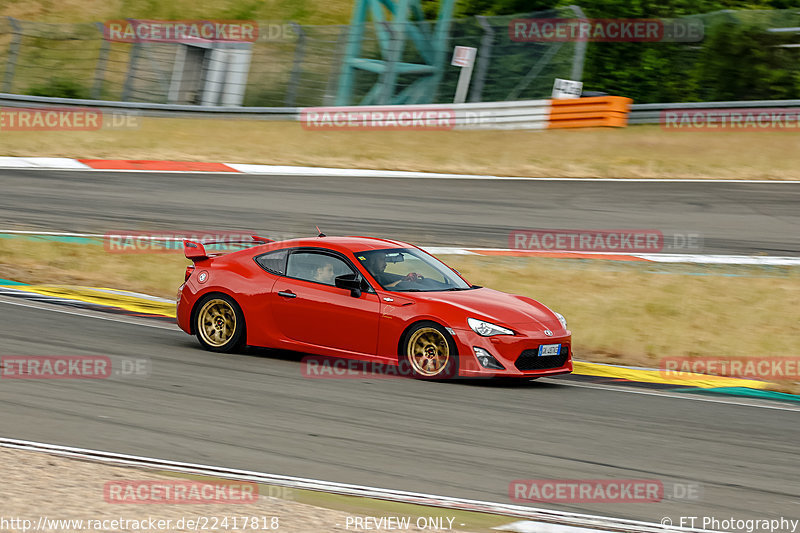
(396, 320)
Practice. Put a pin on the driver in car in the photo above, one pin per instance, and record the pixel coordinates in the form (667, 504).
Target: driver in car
(325, 274)
(376, 264)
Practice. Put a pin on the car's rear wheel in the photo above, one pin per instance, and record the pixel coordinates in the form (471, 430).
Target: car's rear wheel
(219, 323)
(429, 352)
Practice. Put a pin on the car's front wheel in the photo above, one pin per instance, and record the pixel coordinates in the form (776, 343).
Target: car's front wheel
(219, 323)
(429, 352)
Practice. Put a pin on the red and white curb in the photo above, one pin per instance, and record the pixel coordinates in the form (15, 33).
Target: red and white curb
(142, 165)
(763, 260)
(653, 258)
(541, 516)
(55, 163)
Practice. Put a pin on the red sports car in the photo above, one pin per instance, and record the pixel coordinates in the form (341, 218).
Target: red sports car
(367, 299)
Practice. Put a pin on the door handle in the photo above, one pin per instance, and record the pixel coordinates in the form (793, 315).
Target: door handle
(287, 294)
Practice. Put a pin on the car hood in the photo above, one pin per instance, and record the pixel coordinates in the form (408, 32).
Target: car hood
(519, 312)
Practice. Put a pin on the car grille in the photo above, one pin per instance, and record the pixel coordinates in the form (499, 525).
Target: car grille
(530, 360)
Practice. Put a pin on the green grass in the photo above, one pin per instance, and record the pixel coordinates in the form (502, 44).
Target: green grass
(300, 11)
(60, 60)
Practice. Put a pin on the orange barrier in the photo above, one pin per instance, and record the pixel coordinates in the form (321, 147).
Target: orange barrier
(596, 111)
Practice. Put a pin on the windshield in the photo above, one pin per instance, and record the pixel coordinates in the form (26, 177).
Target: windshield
(407, 269)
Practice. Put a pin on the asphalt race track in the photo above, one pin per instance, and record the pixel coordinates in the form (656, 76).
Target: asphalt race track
(732, 218)
(256, 411)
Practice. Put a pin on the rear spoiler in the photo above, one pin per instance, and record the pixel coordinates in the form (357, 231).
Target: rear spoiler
(196, 251)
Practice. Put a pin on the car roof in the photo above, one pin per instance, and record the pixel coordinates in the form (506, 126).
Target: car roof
(342, 244)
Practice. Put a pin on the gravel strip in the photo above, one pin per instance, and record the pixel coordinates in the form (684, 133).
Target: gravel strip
(38, 486)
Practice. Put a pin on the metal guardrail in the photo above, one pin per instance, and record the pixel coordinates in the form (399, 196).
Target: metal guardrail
(651, 113)
(527, 114)
(153, 110)
(504, 115)
(524, 114)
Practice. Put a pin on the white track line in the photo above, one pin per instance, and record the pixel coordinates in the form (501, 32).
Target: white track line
(593, 522)
(707, 259)
(91, 235)
(111, 318)
(50, 163)
(684, 396)
(60, 163)
(466, 250)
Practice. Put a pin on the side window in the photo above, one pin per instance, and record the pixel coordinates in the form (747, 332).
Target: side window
(273, 262)
(317, 267)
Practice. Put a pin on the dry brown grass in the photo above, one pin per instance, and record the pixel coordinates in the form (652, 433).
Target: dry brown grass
(90, 265)
(636, 152)
(630, 315)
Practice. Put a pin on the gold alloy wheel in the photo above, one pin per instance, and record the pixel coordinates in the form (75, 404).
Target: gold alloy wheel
(428, 352)
(216, 322)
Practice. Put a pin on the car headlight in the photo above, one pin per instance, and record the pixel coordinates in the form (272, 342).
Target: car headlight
(487, 329)
(561, 319)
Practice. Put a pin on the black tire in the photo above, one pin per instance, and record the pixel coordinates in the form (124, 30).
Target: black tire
(214, 317)
(432, 361)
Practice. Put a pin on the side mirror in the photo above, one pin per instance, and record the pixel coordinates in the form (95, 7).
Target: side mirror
(351, 282)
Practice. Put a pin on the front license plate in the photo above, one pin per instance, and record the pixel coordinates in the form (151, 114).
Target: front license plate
(549, 349)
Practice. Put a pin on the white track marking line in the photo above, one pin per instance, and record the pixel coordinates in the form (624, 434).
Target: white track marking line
(320, 172)
(670, 395)
(130, 320)
(593, 522)
(528, 526)
(155, 236)
(42, 163)
(466, 250)
(138, 295)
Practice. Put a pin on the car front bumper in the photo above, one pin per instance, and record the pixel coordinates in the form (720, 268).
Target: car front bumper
(518, 354)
